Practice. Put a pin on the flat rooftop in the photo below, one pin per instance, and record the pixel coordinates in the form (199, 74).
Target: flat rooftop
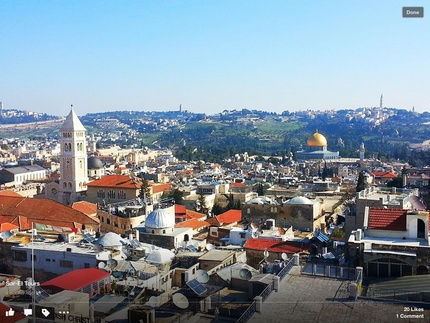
(58, 246)
(303, 298)
(391, 241)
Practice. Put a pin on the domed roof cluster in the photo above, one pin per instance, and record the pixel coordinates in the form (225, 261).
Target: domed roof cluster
(299, 200)
(160, 256)
(159, 219)
(317, 140)
(94, 163)
(110, 239)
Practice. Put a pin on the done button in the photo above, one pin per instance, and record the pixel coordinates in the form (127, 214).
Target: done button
(413, 12)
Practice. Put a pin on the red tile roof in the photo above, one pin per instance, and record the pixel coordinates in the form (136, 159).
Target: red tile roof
(5, 226)
(156, 188)
(75, 279)
(9, 193)
(22, 211)
(194, 215)
(276, 246)
(387, 219)
(193, 223)
(230, 216)
(180, 209)
(384, 174)
(117, 181)
(238, 184)
(85, 207)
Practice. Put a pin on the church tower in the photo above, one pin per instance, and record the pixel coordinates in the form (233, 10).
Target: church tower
(73, 160)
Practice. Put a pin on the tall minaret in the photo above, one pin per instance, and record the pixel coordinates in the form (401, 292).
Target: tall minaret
(73, 160)
(362, 151)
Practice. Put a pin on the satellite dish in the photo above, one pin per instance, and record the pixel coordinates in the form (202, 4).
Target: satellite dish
(284, 256)
(210, 246)
(101, 265)
(112, 263)
(245, 274)
(266, 253)
(154, 301)
(180, 300)
(255, 234)
(202, 276)
(5, 234)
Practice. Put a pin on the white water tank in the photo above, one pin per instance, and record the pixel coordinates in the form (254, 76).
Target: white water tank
(358, 235)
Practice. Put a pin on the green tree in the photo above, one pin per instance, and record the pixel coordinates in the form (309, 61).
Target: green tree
(217, 209)
(145, 190)
(201, 205)
(396, 182)
(260, 189)
(361, 182)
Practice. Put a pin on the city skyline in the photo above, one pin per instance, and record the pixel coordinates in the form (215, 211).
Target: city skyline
(211, 56)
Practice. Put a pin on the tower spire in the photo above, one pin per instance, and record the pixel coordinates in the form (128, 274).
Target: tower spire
(380, 102)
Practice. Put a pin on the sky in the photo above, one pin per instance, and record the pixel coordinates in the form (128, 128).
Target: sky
(212, 55)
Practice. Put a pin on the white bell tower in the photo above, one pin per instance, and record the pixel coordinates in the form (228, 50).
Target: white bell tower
(73, 160)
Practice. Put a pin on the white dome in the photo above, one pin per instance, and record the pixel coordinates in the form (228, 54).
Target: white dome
(110, 239)
(160, 256)
(299, 200)
(159, 219)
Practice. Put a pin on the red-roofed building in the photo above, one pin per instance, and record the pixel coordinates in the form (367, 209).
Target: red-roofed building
(113, 189)
(87, 280)
(22, 211)
(229, 217)
(85, 207)
(392, 242)
(120, 188)
(255, 249)
(383, 177)
(195, 224)
(387, 219)
(9, 193)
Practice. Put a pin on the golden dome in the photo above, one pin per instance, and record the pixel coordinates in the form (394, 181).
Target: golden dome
(317, 140)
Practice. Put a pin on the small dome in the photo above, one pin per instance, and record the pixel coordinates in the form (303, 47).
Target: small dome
(317, 140)
(160, 218)
(299, 200)
(160, 256)
(94, 163)
(110, 239)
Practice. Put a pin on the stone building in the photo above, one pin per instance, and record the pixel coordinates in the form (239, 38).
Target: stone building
(392, 243)
(300, 212)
